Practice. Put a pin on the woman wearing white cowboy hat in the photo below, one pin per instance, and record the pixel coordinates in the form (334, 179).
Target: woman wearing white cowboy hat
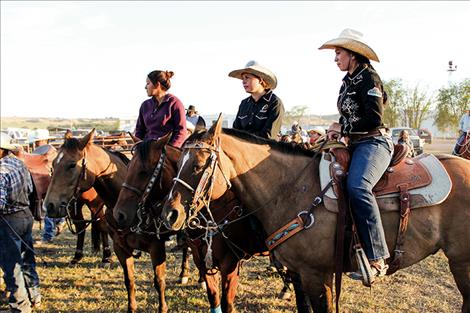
(360, 104)
(260, 114)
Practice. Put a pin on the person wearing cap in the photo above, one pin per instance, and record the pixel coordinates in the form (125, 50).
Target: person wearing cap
(163, 113)
(360, 104)
(464, 129)
(262, 112)
(16, 226)
(193, 119)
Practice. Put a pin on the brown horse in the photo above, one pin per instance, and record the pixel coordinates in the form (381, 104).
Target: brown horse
(276, 182)
(81, 165)
(39, 164)
(229, 243)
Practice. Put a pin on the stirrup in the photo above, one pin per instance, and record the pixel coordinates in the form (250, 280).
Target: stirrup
(368, 276)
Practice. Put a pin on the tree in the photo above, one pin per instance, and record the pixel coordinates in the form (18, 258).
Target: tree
(417, 107)
(295, 114)
(452, 102)
(395, 102)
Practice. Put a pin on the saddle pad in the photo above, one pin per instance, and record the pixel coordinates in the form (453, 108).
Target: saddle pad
(434, 193)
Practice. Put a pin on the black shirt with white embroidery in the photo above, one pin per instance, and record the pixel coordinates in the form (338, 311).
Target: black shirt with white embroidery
(262, 118)
(360, 101)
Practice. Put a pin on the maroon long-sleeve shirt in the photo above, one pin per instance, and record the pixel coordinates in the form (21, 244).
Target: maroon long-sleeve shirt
(155, 120)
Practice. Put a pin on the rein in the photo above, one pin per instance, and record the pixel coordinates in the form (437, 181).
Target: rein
(143, 215)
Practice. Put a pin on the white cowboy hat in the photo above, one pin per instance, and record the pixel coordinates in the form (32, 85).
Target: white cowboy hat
(5, 143)
(39, 134)
(352, 40)
(256, 69)
(318, 129)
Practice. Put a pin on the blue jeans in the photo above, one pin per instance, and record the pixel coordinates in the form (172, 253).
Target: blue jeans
(49, 227)
(370, 159)
(459, 143)
(18, 262)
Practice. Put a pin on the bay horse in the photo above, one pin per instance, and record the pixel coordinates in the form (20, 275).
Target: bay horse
(150, 176)
(276, 182)
(80, 165)
(39, 164)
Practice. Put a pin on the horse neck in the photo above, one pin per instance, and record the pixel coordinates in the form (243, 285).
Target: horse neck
(109, 171)
(269, 181)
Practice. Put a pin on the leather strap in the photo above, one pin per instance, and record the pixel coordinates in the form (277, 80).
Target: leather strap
(404, 218)
(285, 232)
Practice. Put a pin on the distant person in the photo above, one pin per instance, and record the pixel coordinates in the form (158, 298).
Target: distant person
(315, 133)
(163, 113)
(405, 140)
(296, 128)
(52, 226)
(464, 128)
(361, 104)
(193, 119)
(262, 112)
(16, 226)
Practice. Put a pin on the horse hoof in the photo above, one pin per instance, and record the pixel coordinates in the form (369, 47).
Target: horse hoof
(184, 280)
(203, 285)
(285, 295)
(74, 262)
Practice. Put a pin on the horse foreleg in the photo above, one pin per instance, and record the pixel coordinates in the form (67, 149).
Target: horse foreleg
(158, 255)
(461, 273)
(95, 237)
(106, 249)
(127, 263)
(301, 299)
(318, 286)
(212, 283)
(184, 275)
(230, 280)
(80, 228)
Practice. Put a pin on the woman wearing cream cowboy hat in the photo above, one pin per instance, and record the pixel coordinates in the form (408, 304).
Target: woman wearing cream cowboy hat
(260, 114)
(360, 104)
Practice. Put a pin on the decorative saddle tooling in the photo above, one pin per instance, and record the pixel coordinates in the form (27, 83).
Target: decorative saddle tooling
(424, 177)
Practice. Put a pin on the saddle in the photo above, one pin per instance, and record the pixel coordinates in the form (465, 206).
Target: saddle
(39, 164)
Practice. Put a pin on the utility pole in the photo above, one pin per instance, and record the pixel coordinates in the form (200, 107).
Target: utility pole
(452, 68)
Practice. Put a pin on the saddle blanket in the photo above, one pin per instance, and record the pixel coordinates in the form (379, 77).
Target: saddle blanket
(423, 196)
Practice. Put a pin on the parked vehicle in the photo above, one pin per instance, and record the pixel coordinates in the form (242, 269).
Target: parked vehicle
(418, 143)
(425, 134)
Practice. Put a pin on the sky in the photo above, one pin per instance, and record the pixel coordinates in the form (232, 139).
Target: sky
(90, 59)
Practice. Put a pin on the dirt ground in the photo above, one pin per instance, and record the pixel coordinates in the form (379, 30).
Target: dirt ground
(440, 145)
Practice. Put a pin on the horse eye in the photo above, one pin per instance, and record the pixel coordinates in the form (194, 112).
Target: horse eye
(197, 168)
(72, 165)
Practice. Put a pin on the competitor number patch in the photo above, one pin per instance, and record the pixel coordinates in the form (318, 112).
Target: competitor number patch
(375, 92)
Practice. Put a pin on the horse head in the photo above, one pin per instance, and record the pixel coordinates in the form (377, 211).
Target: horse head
(201, 177)
(70, 174)
(149, 178)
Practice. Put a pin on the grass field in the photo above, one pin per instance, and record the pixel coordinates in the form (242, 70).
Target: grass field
(425, 287)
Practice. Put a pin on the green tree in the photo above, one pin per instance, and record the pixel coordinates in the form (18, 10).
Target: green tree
(452, 101)
(395, 102)
(297, 113)
(417, 107)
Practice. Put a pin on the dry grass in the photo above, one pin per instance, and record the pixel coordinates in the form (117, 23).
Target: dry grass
(425, 287)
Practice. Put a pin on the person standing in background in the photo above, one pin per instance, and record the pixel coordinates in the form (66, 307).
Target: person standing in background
(163, 113)
(16, 225)
(464, 129)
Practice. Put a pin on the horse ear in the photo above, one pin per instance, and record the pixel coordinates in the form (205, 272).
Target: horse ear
(135, 139)
(87, 139)
(216, 128)
(68, 134)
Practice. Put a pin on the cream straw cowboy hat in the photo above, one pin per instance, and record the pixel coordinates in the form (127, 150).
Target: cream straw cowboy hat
(352, 40)
(5, 143)
(39, 134)
(256, 69)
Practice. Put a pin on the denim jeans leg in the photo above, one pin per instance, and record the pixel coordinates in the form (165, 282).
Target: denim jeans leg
(370, 159)
(29, 264)
(11, 259)
(49, 227)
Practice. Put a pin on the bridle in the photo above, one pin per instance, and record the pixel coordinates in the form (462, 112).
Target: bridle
(144, 217)
(203, 192)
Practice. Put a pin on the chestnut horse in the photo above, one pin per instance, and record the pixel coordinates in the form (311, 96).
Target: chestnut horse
(39, 164)
(276, 182)
(229, 243)
(81, 165)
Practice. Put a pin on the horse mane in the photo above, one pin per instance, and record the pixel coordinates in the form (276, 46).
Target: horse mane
(284, 147)
(74, 144)
(142, 148)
